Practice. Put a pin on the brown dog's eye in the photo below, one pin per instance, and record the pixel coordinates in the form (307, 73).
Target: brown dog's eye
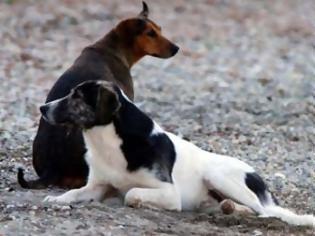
(152, 33)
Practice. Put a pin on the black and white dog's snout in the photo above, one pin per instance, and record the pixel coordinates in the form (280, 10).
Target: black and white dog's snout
(44, 109)
(47, 110)
(46, 113)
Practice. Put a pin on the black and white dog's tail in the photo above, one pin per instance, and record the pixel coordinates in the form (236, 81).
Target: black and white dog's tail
(270, 205)
(253, 193)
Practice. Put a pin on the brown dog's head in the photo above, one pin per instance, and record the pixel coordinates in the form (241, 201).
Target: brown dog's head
(144, 37)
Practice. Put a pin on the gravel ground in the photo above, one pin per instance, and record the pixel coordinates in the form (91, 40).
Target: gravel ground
(242, 85)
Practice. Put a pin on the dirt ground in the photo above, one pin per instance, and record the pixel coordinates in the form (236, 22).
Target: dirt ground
(243, 85)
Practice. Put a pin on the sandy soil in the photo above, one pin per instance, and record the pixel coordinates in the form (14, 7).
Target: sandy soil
(243, 85)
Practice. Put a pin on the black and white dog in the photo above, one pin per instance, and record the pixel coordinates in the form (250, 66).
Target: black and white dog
(151, 167)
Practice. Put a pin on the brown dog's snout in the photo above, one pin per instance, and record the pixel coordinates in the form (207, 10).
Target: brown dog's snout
(174, 49)
(169, 51)
(166, 49)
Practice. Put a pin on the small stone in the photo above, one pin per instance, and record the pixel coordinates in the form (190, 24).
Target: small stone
(65, 208)
(10, 206)
(280, 175)
(257, 233)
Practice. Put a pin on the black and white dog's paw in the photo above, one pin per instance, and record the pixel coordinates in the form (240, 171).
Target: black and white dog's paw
(152, 199)
(58, 199)
(133, 199)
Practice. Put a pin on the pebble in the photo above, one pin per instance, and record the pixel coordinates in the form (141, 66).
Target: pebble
(280, 175)
(257, 233)
(65, 208)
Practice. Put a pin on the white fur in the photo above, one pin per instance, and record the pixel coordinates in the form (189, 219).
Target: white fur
(125, 96)
(108, 166)
(156, 129)
(225, 175)
(195, 172)
(289, 216)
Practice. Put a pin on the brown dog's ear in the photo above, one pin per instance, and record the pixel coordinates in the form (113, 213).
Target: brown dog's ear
(107, 104)
(145, 11)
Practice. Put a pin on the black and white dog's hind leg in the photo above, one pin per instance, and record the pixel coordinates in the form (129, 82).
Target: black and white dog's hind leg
(239, 182)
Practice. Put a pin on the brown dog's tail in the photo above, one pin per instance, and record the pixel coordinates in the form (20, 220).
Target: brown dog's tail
(32, 184)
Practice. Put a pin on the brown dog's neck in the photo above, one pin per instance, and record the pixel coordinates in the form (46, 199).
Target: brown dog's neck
(116, 46)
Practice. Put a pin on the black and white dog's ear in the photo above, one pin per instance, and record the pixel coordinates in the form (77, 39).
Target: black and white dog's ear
(145, 11)
(108, 103)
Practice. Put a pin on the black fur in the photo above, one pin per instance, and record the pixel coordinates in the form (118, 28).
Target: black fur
(145, 10)
(218, 197)
(255, 183)
(141, 149)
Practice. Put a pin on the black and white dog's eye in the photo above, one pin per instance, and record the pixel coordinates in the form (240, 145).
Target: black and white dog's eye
(152, 33)
(77, 94)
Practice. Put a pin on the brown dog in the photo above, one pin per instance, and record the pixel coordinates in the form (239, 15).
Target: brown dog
(58, 152)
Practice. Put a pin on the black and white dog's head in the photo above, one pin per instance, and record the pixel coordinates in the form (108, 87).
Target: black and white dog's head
(89, 104)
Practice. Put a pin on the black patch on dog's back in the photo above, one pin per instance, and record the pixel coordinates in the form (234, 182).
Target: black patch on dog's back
(164, 154)
(255, 183)
(141, 149)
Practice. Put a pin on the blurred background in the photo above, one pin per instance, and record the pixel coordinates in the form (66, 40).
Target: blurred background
(242, 84)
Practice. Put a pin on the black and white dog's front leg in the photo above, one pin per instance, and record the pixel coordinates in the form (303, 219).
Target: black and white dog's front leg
(86, 193)
(92, 191)
(166, 197)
